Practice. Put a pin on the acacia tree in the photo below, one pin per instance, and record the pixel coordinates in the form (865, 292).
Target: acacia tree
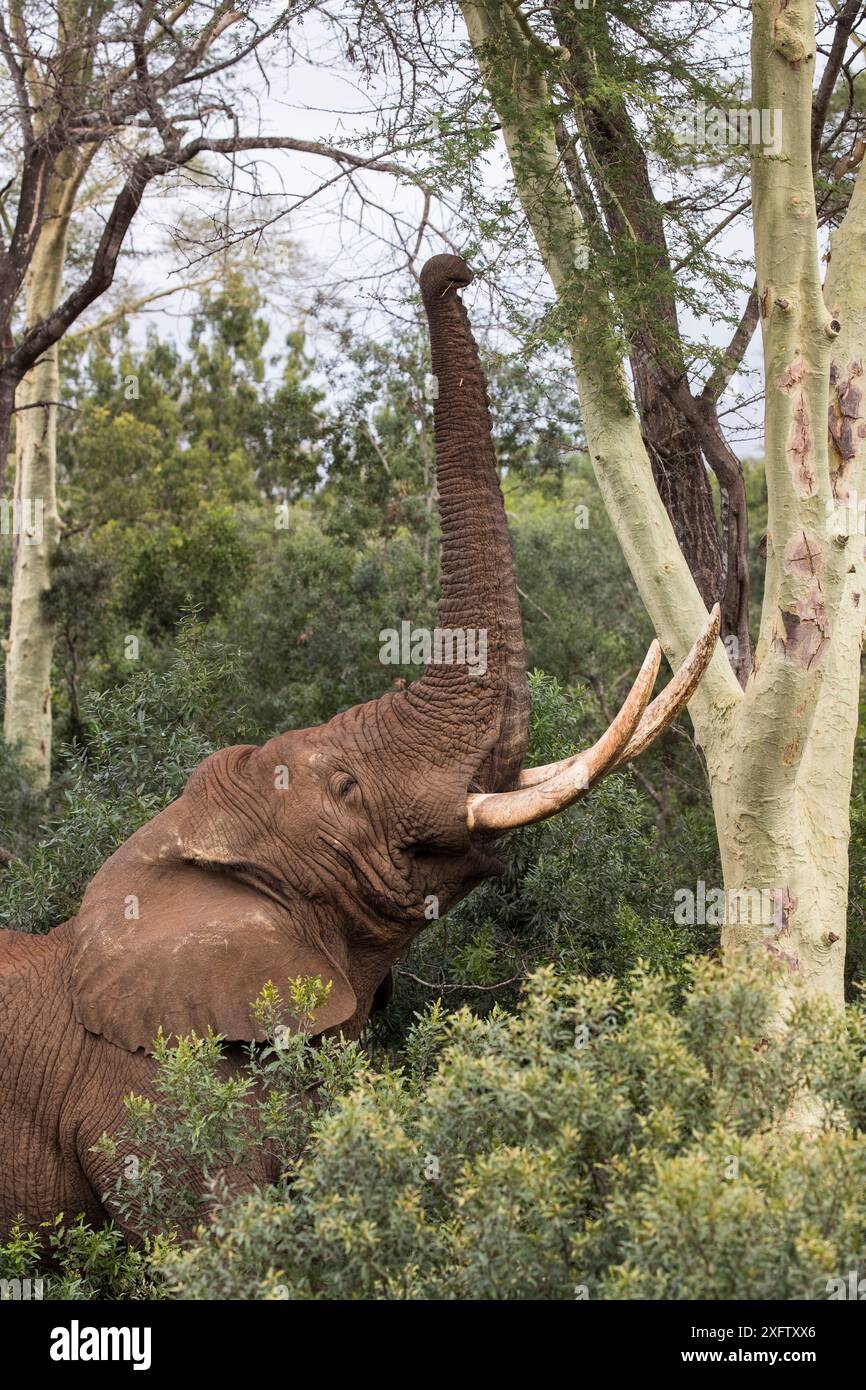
(779, 751)
(123, 94)
(628, 215)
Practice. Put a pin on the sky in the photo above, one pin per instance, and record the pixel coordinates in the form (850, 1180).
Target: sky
(337, 244)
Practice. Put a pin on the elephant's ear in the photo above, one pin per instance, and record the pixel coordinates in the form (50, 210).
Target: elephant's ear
(162, 942)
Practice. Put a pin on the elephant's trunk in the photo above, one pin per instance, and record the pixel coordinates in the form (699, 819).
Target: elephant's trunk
(478, 585)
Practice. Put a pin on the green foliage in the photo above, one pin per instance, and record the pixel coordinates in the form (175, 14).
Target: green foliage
(311, 615)
(204, 445)
(76, 1262)
(564, 544)
(143, 739)
(603, 1141)
(218, 1125)
(21, 806)
(204, 563)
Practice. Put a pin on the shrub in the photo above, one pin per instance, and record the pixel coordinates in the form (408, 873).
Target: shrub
(214, 1126)
(600, 1142)
(165, 723)
(22, 807)
(76, 1262)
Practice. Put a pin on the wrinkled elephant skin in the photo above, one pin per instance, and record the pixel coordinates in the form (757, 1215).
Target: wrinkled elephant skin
(322, 853)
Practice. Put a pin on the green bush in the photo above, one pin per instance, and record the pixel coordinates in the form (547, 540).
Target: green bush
(76, 1262)
(590, 889)
(212, 1123)
(22, 806)
(602, 1142)
(206, 561)
(143, 739)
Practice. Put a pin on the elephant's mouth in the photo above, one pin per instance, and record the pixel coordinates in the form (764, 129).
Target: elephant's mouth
(430, 872)
(479, 860)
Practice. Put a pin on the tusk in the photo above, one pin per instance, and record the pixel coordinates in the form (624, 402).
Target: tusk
(676, 694)
(507, 810)
(663, 710)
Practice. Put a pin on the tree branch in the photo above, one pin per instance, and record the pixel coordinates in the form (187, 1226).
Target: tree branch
(523, 102)
(50, 329)
(846, 18)
(718, 382)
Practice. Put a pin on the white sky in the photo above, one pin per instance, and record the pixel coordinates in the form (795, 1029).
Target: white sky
(311, 102)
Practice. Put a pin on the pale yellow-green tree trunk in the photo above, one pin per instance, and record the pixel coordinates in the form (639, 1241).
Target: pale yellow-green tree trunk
(779, 754)
(782, 808)
(30, 645)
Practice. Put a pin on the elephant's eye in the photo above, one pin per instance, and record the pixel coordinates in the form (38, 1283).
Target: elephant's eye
(345, 786)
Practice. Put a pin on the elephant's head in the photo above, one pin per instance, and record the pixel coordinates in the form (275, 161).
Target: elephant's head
(325, 851)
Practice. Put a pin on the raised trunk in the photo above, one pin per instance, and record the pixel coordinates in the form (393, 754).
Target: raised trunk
(478, 587)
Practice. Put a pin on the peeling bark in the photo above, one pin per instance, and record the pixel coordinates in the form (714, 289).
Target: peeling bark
(779, 754)
(845, 421)
(806, 629)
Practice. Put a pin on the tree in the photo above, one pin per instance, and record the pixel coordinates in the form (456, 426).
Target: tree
(128, 93)
(779, 752)
(630, 134)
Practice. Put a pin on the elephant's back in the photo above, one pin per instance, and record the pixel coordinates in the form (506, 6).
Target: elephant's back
(35, 978)
(44, 1060)
(22, 952)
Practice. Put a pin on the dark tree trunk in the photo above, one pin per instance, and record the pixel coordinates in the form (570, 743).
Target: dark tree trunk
(682, 481)
(681, 442)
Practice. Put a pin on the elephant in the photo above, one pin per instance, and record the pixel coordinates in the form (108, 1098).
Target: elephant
(317, 853)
